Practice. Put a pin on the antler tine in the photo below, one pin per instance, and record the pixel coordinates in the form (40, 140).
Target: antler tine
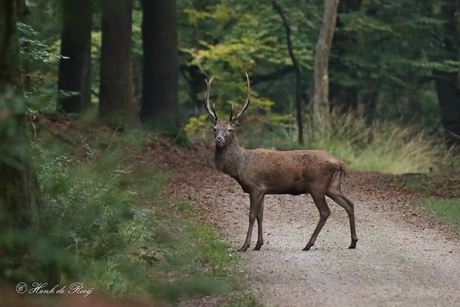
(206, 99)
(246, 104)
(231, 113)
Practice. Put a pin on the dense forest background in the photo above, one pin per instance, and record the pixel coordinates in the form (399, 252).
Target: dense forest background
(375, 82)
(132, 61)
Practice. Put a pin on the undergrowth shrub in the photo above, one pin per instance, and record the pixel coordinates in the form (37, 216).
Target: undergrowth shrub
(104, 208)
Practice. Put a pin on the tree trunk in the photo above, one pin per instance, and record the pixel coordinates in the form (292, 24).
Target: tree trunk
(19, 192)
(342, 97)
(448, 83)
(116, 104)
(74, 81)
(18, 186)
(323, 46)
(9, 46)
(161, 66)
(448, 92)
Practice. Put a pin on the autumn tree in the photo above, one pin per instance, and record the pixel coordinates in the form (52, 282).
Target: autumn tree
(160, 76)
(74, 80)
(116, 104)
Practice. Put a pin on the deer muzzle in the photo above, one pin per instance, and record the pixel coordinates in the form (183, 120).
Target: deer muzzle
(220, 140)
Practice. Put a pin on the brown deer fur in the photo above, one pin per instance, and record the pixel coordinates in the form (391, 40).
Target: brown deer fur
(262, 171)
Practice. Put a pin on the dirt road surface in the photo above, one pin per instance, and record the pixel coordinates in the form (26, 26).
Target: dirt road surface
(402, 258)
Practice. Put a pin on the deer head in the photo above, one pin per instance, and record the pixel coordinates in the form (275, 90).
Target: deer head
(224, 130)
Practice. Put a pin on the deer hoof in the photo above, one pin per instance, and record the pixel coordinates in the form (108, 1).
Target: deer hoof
(258, 246)
(309, 245)
(353, 244)
(243, 249)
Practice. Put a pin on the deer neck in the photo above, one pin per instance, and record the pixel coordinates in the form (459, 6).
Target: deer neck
(229, 158)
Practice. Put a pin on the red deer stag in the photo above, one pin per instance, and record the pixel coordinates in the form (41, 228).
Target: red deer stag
(262, 171)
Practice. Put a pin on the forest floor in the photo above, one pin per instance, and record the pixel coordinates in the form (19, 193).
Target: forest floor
(403, 258)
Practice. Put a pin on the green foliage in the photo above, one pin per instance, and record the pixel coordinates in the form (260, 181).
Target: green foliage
(248, 34)
(105, 209)
(39, 65)
(226, 39)
(13, 146)
(32, 49)
(88, 204)
(388, 55)
(27, 252)
(393, 53)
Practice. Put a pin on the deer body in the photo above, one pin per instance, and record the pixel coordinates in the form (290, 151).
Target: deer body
(278, 172)
(261, 171)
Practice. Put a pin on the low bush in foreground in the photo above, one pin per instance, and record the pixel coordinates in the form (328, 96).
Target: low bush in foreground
(104, 212)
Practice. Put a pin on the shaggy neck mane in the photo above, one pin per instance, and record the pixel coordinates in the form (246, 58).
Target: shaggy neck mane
(228, 158)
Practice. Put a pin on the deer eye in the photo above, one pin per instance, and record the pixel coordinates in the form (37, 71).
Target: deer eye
(230, 129)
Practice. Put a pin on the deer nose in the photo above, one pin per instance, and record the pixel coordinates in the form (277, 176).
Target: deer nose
(219, 139)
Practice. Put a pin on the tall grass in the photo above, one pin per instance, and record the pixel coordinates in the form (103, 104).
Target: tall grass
(387, 147)
(381, 146)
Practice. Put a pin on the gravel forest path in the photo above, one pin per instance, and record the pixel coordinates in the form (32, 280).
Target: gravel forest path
(402, 258)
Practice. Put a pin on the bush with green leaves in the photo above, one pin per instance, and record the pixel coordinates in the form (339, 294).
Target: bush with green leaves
(104, 208)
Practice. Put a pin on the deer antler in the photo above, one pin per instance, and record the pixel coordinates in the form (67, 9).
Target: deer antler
(246, 104)
(206, 100)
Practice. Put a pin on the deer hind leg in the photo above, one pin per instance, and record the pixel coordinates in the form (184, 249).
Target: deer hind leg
(324, 212)
(337, 196)
(255, 201)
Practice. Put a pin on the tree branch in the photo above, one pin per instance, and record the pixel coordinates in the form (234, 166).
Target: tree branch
(295, 64)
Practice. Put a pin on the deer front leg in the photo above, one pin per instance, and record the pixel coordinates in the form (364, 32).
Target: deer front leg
(255, 200)
(260, 234)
